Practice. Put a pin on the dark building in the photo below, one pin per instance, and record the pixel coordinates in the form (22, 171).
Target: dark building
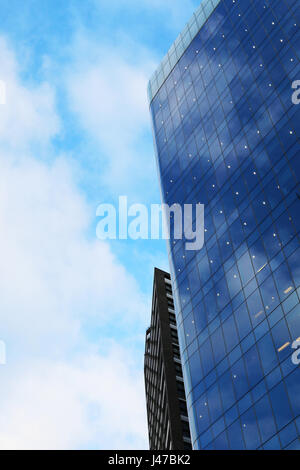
(168, 424)
(227, 135)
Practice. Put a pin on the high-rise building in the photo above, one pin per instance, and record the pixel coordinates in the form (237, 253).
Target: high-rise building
(168, 424)
(227, 135)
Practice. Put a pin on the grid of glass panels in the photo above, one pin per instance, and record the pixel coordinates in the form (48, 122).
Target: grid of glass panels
(182, 42)
(227, 135)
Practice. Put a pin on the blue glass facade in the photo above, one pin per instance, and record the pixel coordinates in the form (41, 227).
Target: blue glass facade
(227, 135)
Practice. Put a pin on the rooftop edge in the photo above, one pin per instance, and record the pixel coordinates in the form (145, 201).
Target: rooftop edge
(180, 45)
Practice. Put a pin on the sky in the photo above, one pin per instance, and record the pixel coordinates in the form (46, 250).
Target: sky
(75, 132)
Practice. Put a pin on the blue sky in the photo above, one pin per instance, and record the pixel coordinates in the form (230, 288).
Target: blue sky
(75, 132)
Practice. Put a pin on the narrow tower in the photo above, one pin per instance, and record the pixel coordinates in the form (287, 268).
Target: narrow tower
(168, 423)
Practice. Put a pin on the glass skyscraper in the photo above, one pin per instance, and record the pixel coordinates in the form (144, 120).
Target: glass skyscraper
(227, 135)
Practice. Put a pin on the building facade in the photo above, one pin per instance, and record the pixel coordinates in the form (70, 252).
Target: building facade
(168, 424)
(227, 135)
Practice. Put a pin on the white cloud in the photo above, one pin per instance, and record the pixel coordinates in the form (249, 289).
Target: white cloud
(56, 284)
(61, 276)
(28, 115)
(95, 402)
(120, 119)
(115, 75)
